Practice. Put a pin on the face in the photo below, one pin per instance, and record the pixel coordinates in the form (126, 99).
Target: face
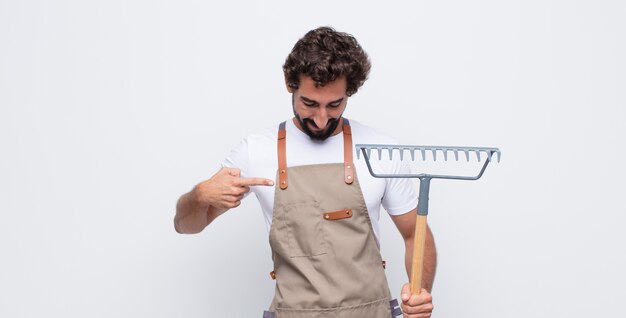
(318, 109)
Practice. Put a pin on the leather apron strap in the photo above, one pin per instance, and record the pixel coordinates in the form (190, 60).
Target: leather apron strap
(282, 156)
(347, 152)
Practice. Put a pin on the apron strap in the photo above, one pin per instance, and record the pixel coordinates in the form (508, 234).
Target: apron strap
(347, 154)
(268, 314)
(395, 308)
(282, 157)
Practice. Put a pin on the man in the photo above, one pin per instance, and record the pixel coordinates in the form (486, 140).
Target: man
(323, 212)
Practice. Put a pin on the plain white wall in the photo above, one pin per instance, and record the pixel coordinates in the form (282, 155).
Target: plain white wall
(109, 110)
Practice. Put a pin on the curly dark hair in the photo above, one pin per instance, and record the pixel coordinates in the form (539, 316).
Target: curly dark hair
(325, 55)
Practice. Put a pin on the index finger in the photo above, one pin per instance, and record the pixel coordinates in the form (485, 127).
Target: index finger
(254, 182)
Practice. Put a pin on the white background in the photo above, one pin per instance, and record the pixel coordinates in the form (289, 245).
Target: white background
(109, 110)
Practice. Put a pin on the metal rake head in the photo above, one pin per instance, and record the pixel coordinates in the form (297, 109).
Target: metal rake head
(366, 150)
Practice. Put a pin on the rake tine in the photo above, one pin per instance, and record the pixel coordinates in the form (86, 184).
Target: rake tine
(412, 152)
(380, 152)
(466, 154)
(423, 151)
(434, 154)
(445, 154)
(401, 153)
(456, 155)
(477, 154)
(358, 153)
(368, 151)
(390, 152)
(498, 153)
(489, 154)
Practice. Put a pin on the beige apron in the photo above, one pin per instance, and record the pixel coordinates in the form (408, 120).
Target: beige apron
(327, 262)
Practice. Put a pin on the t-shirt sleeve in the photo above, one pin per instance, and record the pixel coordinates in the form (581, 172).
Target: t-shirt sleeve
(400, 196)
(238, 158)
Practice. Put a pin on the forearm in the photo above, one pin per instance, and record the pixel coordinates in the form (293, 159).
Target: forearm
(430, 259)
(191, 217)
(210, 198)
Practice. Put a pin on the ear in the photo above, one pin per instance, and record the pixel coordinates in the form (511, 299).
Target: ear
(291, 87)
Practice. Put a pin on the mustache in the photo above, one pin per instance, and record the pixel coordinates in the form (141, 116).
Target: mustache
(330, 122)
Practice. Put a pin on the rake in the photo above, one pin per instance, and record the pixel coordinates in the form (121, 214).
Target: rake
(422, 205)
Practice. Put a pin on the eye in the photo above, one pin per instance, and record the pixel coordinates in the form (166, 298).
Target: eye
(335, 105)
(309, 103)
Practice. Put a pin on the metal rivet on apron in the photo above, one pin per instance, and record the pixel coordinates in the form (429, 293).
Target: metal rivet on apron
(348, 166)
(327, 216)
(349, 177)
(282, 171)
(348, 212)
(284, 182)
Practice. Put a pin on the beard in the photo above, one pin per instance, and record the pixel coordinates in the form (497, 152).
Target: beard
(318, 135)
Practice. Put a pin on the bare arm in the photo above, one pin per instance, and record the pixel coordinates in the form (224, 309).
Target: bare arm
(191, 215)
(209, 199)
(406, 225)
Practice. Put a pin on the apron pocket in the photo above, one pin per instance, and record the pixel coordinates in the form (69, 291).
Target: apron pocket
(305, 229)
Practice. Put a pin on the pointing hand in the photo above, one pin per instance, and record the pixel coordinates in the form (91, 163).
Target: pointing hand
(226, 188)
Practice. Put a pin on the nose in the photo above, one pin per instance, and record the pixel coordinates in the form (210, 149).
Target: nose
(321, 118)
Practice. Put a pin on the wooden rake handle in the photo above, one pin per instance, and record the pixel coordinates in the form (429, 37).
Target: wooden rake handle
(417, 266)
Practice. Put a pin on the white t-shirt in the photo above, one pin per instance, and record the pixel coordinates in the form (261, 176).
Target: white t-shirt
(256, 156)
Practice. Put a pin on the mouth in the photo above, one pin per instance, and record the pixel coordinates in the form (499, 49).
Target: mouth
(314, 127)
(311, 129)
